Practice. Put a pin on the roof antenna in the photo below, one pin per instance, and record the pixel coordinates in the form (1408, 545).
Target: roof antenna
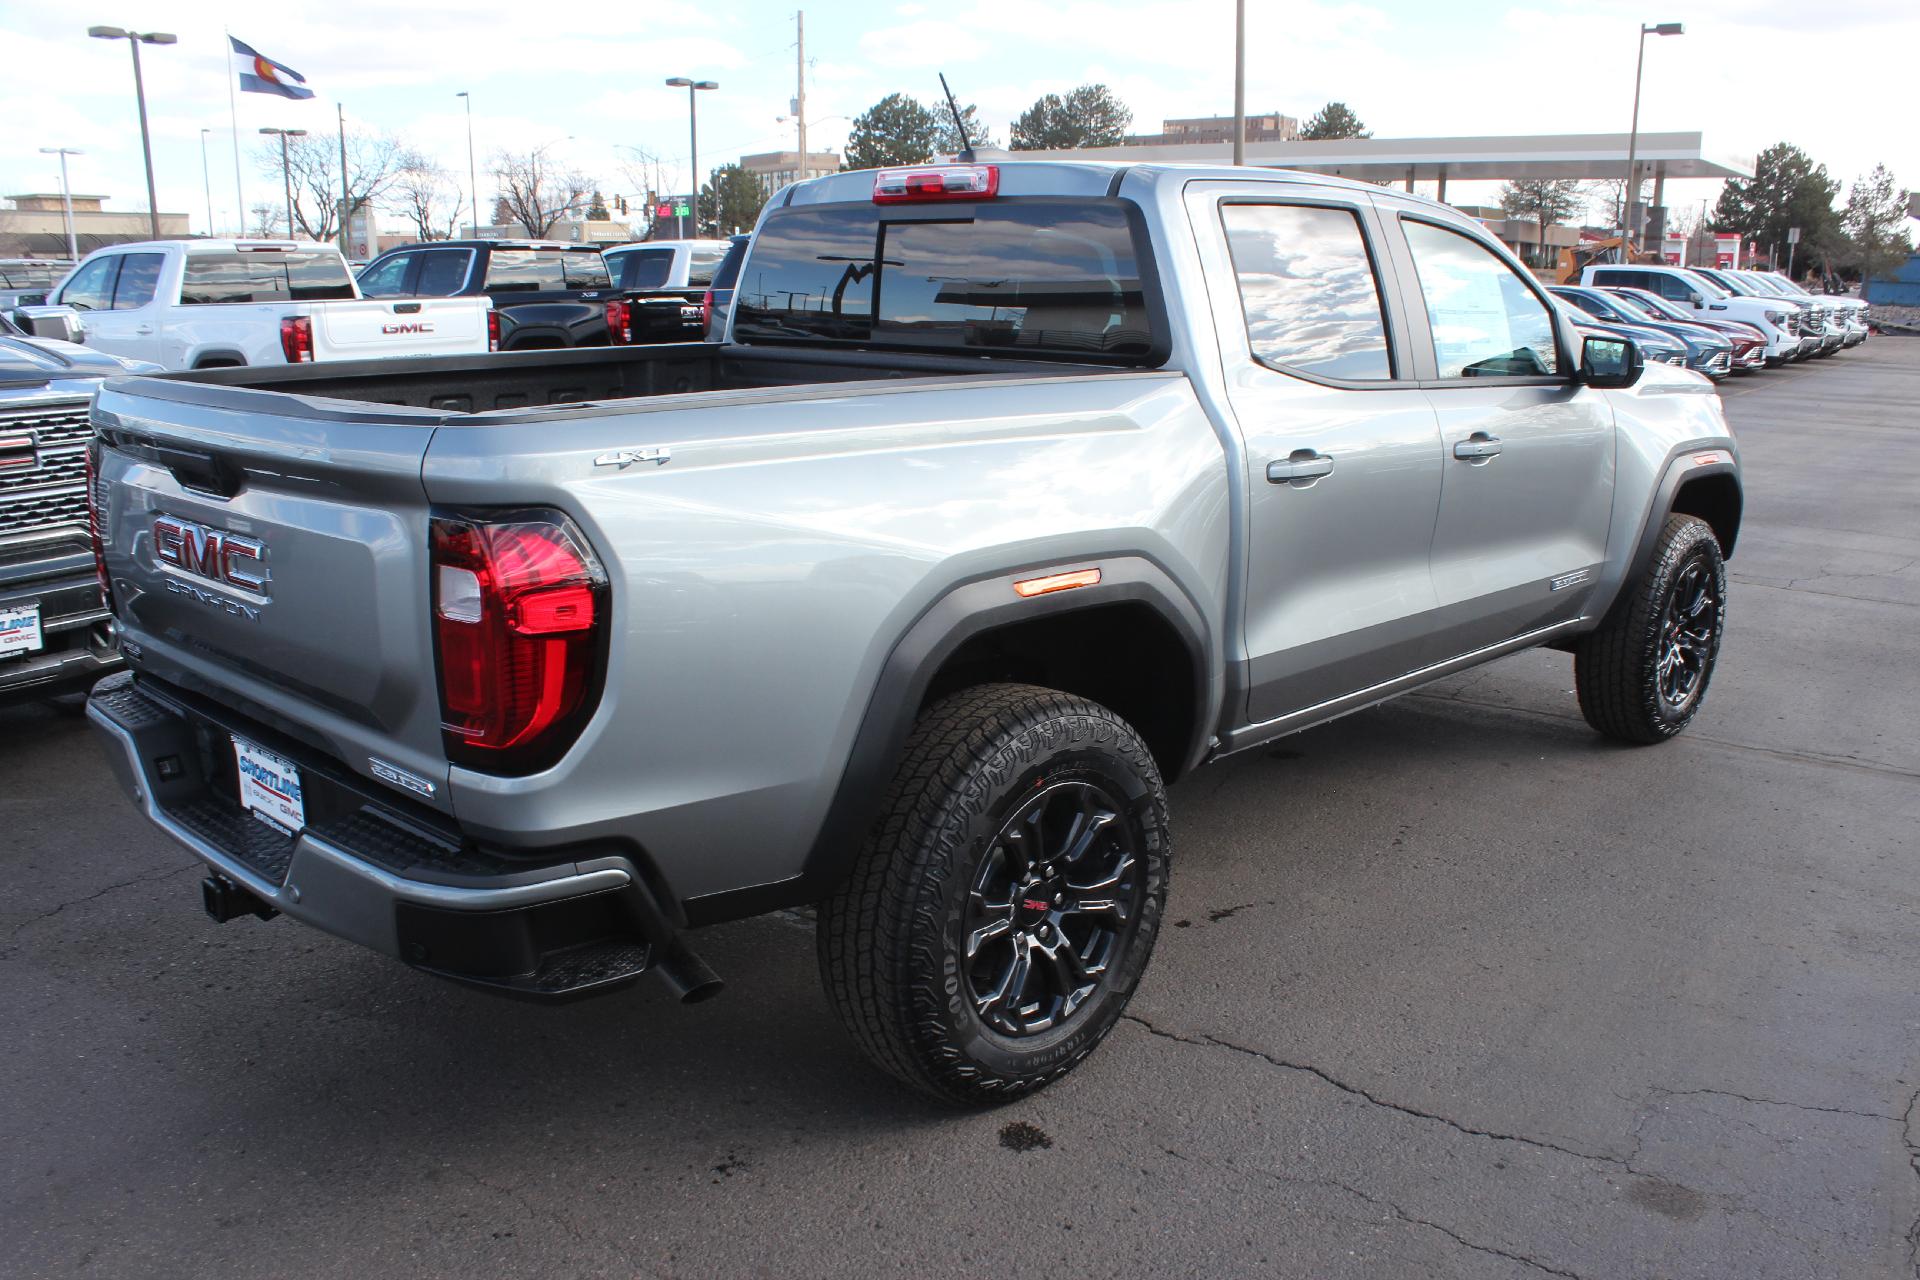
(965, 155)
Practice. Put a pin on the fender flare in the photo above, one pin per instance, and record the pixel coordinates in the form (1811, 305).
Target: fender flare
(963, 611)
(234, 354)
(1680, 468)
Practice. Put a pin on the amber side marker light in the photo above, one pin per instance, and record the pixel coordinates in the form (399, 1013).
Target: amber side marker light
(1056, 582)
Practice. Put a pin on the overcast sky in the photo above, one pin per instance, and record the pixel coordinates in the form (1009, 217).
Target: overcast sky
(1835, 79)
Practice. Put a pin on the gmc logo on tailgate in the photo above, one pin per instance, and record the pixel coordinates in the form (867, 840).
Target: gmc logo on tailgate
(212, 554)
(417, 326)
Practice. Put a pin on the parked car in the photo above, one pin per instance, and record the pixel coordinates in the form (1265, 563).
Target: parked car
(548, 294)
(1851, 313)
(1778, 319)
(718, 300)
(1749, 344)
(1654, 346)
(55, 634)
(667, 283)
(903, 601)
(210, 304)
(1707, 352)
(26, 281)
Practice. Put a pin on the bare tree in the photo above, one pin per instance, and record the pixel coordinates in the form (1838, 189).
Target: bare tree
(427, 195)
(646, 175)
(266, 222)
(313, 165)
(536, 193)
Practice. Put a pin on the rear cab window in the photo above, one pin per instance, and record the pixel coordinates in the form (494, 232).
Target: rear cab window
(264, 276)
(1045, 277)
(524, 271)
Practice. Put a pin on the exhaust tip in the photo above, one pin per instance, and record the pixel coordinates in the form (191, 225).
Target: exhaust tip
(687, 975)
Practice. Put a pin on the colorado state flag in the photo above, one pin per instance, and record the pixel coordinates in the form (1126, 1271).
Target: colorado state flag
(263, 75)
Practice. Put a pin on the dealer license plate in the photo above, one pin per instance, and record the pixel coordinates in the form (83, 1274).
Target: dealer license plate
(19, 629)
(270, 787)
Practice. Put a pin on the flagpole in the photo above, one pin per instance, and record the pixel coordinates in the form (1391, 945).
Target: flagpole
(346, 201)
(233, 114)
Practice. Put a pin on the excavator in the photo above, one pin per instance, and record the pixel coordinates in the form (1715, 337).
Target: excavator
(1575, 259)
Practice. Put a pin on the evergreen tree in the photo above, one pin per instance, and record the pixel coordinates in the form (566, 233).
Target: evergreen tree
(1787, 190)
(1335, 120)
(1875, 221)
(1090, 116)
(894, 130)
(730, 202)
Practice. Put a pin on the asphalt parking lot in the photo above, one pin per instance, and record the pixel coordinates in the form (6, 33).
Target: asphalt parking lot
(1455, 989)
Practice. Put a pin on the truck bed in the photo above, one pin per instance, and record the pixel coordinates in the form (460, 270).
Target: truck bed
(531, 379)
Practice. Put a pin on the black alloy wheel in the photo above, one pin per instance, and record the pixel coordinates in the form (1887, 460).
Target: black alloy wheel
(1050, 907)
(1689, 635)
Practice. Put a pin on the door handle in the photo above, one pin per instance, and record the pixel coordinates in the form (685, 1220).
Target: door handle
(144, 329)
(1477, 448)
(1298, 466)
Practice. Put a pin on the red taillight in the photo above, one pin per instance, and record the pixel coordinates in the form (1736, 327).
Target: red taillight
(296, 339)
(936, 182)
(706, 313)
(519, 604)
(95, 519)
(619, 323)
(493, 330)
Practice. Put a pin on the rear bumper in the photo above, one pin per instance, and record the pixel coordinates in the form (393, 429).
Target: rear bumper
(374, 875)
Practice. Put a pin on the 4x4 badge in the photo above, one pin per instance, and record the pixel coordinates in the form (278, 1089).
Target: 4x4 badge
(624, 458)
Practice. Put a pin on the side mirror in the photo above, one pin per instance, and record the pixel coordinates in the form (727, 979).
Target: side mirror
(1697, 299)
(1608, 364)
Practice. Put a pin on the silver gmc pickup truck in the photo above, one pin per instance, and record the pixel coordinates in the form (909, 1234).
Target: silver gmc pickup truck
(1014, 492)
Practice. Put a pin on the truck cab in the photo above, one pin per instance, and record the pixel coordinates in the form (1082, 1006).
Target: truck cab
(548, 294)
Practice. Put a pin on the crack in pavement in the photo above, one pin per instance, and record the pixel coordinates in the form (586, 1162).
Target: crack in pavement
(1770, 1102)
(1907, 1136)
(58, 907)
(1214, 1042)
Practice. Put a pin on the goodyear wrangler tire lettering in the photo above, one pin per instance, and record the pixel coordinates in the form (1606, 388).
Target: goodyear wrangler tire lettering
(1005, 903)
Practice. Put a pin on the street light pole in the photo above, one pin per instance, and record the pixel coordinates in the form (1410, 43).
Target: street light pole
(693, 137)
(1239, 81)
(1631, 194)
(286, 170)
(66, 196)
(473, 171)
(134, 40)
(206, 180)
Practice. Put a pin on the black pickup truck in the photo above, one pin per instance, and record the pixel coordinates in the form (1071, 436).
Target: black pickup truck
(55, 635)
(547, 294)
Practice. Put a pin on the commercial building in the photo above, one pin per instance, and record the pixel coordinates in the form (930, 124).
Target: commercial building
(777, 169)
(35, 227)
(1192, 130)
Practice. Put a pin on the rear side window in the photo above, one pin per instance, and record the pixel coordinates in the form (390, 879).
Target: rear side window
(139, 274)
(442, 272)
(264, 276)
(701, 264)
(585, 271)
(1033, 277)
(1630, 279)
(1486, 323)
(645, 268)
(729, 268)
(524, 271)
(91, 288)
(1307, 286)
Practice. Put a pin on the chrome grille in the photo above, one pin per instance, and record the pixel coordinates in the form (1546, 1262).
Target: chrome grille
(53, 493)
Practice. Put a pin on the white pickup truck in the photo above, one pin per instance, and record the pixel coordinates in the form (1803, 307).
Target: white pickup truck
(208, 304)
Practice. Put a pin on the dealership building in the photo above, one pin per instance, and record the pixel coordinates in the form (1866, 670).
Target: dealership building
(36, 227)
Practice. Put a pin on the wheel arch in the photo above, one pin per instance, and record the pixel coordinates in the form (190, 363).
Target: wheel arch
(981, 631)
(219, 358)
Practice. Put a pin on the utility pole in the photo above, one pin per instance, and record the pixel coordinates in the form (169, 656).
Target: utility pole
(286, 170)
(1239, 81)
(473, 171)
(800, 89)
(206, 180)
(346, 201)
(134, 40)
(66, 196)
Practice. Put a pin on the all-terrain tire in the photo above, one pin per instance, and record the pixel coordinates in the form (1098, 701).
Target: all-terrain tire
(1642, 675)
(975, 782)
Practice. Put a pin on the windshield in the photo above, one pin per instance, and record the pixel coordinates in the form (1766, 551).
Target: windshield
(1658, 307)
(1633, 308)
(1774, 285)
(1705, 285)
(1029, 277)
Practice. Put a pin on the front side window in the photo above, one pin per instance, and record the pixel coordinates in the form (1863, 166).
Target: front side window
(264, 276)
(1036, 277)
(585, 271)
(1674, 287)
(1486, 322)
(1596, 307)
(386, 278)
(91, 288)
(701, 264)
(1307, 287)
(523, 271)
(139, 274)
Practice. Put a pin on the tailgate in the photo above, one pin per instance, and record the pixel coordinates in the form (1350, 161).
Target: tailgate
(270, 552)
(376, 328)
